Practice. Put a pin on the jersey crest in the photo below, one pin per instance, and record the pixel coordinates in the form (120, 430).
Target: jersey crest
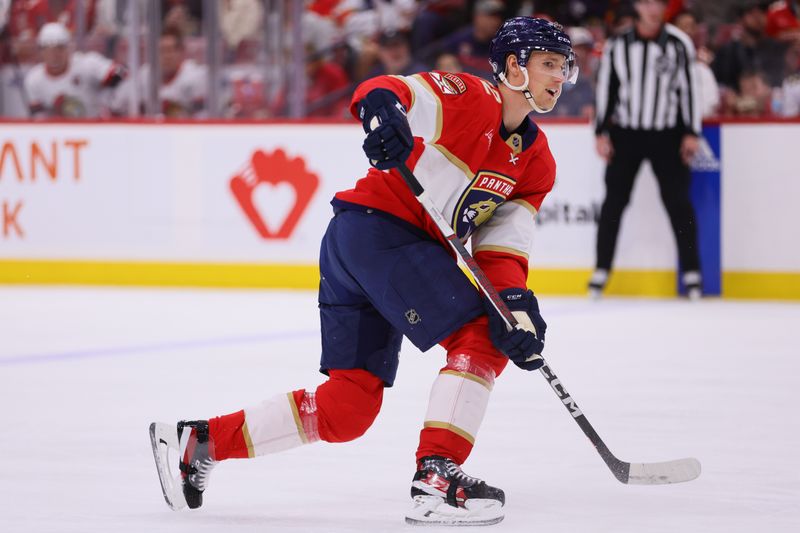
(477, 203)
(66, 105)
(449, 83)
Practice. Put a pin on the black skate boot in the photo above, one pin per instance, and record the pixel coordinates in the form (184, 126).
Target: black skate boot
(443, 494)
(196, 459)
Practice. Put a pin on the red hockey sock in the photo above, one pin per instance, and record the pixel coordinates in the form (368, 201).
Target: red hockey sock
(443, 442)
(226, 434)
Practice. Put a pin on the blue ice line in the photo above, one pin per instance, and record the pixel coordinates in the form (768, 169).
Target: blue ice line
(31, 359)
(145, 348)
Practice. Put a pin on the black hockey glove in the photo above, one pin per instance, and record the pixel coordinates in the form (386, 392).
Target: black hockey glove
(522, 346)
(391, 141)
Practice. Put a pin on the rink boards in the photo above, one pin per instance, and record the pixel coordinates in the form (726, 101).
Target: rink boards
(245, 205)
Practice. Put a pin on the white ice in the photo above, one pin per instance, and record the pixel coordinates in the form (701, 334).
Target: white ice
(84, 371)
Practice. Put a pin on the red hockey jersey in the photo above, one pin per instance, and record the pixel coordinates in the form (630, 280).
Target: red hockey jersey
(488, 182)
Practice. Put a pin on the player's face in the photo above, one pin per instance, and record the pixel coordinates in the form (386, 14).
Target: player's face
(55, 58)
(546, 73)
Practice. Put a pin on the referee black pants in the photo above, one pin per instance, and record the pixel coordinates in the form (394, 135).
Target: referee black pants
(662, 149)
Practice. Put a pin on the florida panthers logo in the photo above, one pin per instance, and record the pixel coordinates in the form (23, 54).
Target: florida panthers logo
(478, 202)
(479, 212)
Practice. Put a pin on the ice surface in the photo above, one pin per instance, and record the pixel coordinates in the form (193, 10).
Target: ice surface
(84, 371)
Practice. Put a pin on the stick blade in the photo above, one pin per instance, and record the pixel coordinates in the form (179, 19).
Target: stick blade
(677, 471)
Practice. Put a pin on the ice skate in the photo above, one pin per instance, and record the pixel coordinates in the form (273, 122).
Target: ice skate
(693, 283)
(445, 496)
(184, 459)
(597, 284)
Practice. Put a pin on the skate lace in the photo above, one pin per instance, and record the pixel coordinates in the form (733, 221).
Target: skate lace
(454, 470)
(202, 470)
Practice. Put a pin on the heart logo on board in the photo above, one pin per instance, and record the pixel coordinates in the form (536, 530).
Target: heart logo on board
(274, 192)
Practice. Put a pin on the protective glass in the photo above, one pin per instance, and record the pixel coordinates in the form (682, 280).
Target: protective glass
(555, 65)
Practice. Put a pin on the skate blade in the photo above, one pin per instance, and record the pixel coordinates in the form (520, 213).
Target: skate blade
(434, 511)
(164, 437)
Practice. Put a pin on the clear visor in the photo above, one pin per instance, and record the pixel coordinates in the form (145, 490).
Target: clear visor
(554, 65)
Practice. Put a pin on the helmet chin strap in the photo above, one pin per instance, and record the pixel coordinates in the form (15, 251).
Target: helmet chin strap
(525, 91)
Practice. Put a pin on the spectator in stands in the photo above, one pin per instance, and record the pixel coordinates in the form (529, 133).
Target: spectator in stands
(708, 88)
(447, 63)
(244, 85)
(623, 19)
(240, 20)
(753, 99)
(5, 6)
(344, 55)
(393, 54)
(471, 44)
(360, 19)
(185, 16)
(68, 84)
(31, 15)
(328, 88)
(752, 51)
(17, 56)
(790, 96)
(782, 21)
(109, 26)
(322, 31)
(183, 85)
(435, 20)
(568, 13)
(786, 101)
(577, 100)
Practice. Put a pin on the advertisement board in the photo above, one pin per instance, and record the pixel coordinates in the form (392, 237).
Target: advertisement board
(247, 205)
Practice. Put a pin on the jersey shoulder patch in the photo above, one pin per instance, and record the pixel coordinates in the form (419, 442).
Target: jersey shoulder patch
(448, 83)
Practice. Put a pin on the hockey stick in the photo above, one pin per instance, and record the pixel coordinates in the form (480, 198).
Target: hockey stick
(675, 471)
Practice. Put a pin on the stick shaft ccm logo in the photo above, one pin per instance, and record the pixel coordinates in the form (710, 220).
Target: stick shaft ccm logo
(562, 393)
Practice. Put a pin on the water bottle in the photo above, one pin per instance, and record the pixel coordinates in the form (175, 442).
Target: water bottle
(777, 102)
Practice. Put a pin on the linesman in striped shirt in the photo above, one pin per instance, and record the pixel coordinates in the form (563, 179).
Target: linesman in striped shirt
(648, 108)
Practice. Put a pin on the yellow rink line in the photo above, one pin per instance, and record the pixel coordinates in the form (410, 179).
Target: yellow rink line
(649, 283)
(662, 283)
(652, 283)
(761, 285)
(160, 274)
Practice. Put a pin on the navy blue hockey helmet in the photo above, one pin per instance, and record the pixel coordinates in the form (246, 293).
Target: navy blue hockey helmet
(522, 35)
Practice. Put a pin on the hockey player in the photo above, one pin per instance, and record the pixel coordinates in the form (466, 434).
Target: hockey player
(387, 273)
(68, 84)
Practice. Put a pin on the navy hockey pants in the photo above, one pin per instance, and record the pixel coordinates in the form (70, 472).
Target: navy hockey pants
(382, 278)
